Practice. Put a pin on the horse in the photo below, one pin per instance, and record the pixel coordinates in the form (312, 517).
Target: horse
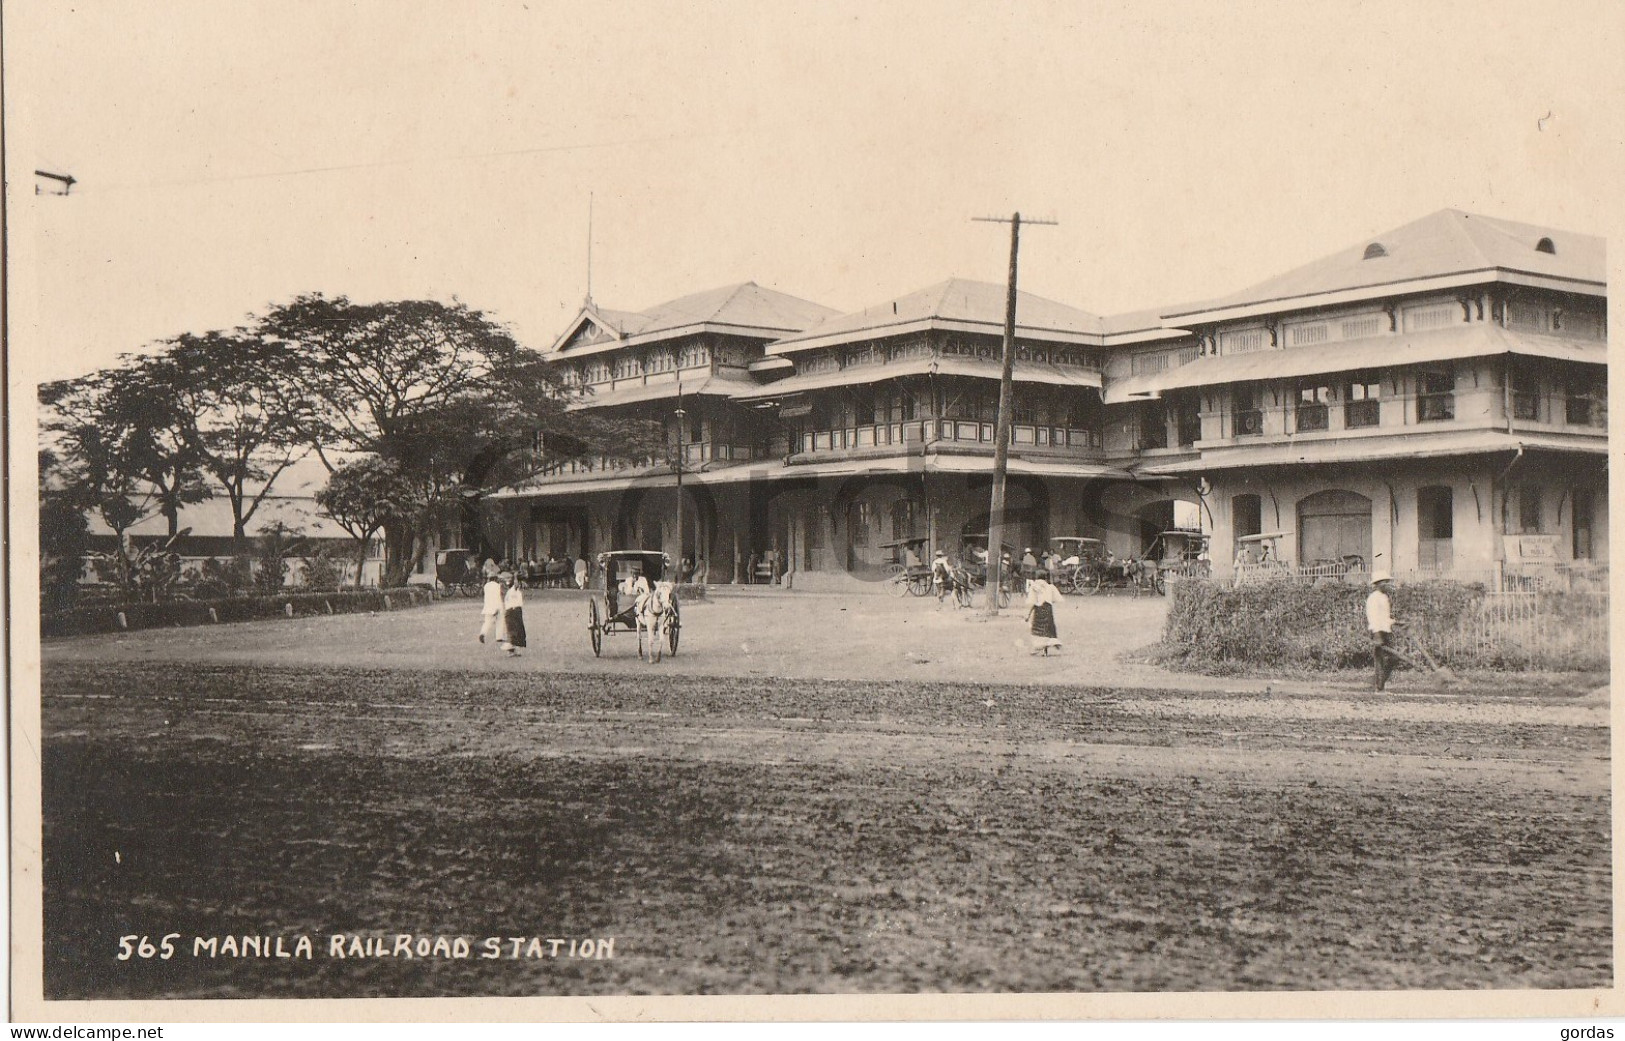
(653, 609)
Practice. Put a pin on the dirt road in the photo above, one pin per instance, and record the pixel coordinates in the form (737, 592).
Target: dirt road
(830, 824)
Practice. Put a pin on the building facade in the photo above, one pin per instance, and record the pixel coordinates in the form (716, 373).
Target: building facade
(1431, 401)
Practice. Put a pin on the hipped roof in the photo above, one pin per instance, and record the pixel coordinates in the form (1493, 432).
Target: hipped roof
(959, 305)
(1443, 249)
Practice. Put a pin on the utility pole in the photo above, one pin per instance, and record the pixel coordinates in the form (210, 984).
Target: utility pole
(682, 419)
(1001, 433)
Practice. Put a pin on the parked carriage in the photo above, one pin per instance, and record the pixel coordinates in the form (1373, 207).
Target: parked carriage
(1178, 553)
(615, 610)
(1081, 558)
(909, 574)
(973, 566)
(457, 571)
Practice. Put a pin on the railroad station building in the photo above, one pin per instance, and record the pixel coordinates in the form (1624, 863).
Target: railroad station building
(1432, 400)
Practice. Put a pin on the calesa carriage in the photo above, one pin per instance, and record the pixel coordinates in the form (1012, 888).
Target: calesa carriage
(457, 571)
(1178, 553)
(638, 596)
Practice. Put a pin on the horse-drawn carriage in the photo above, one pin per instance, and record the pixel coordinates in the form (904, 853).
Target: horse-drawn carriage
(909, 574)
(638, 596)
(1178, 553)
(972, 570)
(1078, 568)
(457, 571)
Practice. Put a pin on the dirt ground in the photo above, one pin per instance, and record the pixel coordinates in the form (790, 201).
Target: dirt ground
(817, 794)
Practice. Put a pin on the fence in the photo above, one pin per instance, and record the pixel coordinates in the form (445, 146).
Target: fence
(1573, 576)
(1549, 629)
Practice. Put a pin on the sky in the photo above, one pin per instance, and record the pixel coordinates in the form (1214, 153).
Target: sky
(229, 155)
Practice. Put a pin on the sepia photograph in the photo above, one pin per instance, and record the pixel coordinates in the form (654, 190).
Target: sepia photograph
(850, 511)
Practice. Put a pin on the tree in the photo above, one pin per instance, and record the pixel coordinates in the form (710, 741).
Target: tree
(242, 415)
(126, 435)
(64, 534)
(441, 391)
(362, 497)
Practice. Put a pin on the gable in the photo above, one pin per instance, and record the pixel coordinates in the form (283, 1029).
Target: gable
(586, 335)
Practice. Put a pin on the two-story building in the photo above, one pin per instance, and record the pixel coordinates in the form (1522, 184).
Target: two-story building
(1432, 400)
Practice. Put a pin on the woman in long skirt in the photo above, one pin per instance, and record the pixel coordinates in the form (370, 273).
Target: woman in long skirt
(513, 616)
(491, 613)
(1041, 600)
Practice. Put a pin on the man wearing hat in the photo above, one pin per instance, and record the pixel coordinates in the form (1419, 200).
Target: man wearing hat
(1379, 620)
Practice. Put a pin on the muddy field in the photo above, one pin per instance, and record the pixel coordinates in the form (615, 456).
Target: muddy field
(763, 815)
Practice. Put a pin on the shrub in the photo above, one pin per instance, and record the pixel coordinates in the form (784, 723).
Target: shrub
(321, 570)
(1284, 624)
(103, 618)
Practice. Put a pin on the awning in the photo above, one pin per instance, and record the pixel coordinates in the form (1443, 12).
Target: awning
(1479, 340)
(774, 470)
(1389, 445)
(710, 386)
(983, 368)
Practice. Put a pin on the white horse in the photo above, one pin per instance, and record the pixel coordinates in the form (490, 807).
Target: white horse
(653, 610)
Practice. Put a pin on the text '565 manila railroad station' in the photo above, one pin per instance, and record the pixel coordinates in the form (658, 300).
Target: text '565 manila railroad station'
(1432, 400)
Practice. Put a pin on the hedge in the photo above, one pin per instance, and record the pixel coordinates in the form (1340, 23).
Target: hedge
(1212, 627)
(104, 618)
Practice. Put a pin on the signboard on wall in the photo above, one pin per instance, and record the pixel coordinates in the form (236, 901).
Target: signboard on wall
(1533, 548)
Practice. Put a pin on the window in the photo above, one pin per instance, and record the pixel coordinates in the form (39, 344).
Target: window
(1523, 504)
(1436, 527)
(1585, 507)
(1154, 425)
(1586, 403)
(1435, 396)
(1246, 413)
(1311, 411)
(1188, 418)
(1246, 515)
(1525, 389)
(1360, 405)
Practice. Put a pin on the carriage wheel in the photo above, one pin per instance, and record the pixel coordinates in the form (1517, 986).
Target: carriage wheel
(595, 628)
(469, 587)
(1159, 583)
(672, 628)
(897, 582)
(919, 585)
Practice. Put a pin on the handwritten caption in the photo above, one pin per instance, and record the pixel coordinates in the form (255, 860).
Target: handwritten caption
(339, 946)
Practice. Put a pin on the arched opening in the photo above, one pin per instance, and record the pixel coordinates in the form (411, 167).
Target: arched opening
(1334, 526)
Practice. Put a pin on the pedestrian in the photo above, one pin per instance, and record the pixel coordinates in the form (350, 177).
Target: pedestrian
(1041, 600)
(1379, 621)
(581, 572)
(491, 613)
(513, 615)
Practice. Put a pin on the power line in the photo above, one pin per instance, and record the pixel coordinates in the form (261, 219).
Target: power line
(384, 164)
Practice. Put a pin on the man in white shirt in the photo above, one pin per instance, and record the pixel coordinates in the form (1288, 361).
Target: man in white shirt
(1379, 620)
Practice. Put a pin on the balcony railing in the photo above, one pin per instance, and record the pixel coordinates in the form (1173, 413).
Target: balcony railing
(1367, 413)
(1311, 418)
(957, 431)
(1247, 423)
(1434, 408)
